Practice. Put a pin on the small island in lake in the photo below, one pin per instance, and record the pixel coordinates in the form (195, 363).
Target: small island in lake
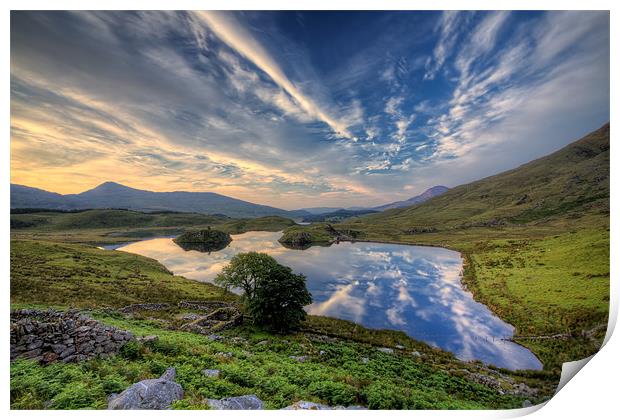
(205, 240)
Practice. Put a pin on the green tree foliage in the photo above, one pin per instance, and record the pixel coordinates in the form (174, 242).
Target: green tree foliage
(274, 296)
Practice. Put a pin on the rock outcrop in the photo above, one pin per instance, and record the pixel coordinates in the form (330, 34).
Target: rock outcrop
(149, 394)
(309, 405)
(50, 335)
(243, 402)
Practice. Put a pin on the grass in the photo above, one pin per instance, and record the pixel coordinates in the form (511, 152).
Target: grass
(87, 277)
(336, 373)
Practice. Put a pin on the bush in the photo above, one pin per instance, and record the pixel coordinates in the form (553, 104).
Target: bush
(274, 296)
(385, 396)
(335, 393)
(131, 350)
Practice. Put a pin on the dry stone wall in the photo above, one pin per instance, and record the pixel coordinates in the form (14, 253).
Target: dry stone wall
(69, 336)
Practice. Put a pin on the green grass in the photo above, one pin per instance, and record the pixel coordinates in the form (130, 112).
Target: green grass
(335, 374)
(87, 277)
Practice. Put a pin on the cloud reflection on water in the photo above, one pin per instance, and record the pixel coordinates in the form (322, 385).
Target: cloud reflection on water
(410, 288)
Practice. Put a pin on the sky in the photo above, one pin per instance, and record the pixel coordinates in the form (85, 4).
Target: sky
(299, 109)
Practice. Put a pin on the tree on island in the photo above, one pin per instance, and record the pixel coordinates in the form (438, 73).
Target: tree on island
(274, 297)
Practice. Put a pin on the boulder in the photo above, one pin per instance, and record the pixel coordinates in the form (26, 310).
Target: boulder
(299, 358)
(309, 405)
(149, 394)
(148, 339)
(243, 402)
(386, 350)
(211, 373)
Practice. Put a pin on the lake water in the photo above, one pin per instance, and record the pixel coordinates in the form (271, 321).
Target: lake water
(414, 289)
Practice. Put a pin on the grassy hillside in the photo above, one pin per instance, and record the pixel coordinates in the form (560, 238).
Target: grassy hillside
(567, 183)
(105, 226)
(86, 277)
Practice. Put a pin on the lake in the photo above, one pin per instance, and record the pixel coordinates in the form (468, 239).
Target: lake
(414, 289)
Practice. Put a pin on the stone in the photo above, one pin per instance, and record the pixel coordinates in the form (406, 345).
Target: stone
(58, 348)
(148, 339)
(225, 355)
(31, 354)
(243, 402)
(309, 405)
(485, 380)
(386, 350)
(527, 403)
(416, 353)
(149, 394)
(365, 360)
(300, 359)
(49, 357)
(211, 373)
(34, 345)
(68, 351)
(215, 337)
(400, 347)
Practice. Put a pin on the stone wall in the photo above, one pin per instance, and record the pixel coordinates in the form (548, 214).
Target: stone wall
(50, 335)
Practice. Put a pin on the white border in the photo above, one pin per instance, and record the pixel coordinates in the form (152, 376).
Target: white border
(593, 394)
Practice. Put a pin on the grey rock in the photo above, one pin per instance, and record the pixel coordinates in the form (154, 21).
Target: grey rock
(299, 358)
(34, 345)
(527, 403)
(148, 339)
(149, 394)
(400, 347)
(243, 402)
(262, 343)
(215, 337)
(211, 373)
(58, 348)
(416, 353)
(365, 360)
(309, 405)
(225, 355)
(386, 350)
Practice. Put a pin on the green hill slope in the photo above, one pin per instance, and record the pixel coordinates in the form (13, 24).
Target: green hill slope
(567, 183)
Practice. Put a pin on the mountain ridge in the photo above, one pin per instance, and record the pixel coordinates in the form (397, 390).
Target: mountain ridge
(426, 195)
(114, 195)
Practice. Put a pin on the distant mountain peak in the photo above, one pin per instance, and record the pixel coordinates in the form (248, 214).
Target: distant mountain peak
(426, 195)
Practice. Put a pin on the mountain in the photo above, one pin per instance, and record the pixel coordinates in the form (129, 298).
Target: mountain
(28, 197)
(113, 195)
(320, 210)
(426, 195)
(337, 215)
(570, 183)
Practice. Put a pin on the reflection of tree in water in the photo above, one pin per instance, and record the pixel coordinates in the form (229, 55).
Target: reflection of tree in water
(209, 240)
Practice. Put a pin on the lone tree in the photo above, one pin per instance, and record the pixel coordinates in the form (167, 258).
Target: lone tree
(274, 297)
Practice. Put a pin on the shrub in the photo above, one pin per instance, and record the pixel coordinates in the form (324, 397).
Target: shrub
(385, 396)
(335, 393)
(274, 296)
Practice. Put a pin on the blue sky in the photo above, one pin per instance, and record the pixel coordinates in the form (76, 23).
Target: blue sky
(298, 109)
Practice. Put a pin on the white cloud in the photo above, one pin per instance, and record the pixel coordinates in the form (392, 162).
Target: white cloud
(234, 35)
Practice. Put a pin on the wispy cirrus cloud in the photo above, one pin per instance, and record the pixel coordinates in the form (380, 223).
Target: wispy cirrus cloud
(234, 35)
